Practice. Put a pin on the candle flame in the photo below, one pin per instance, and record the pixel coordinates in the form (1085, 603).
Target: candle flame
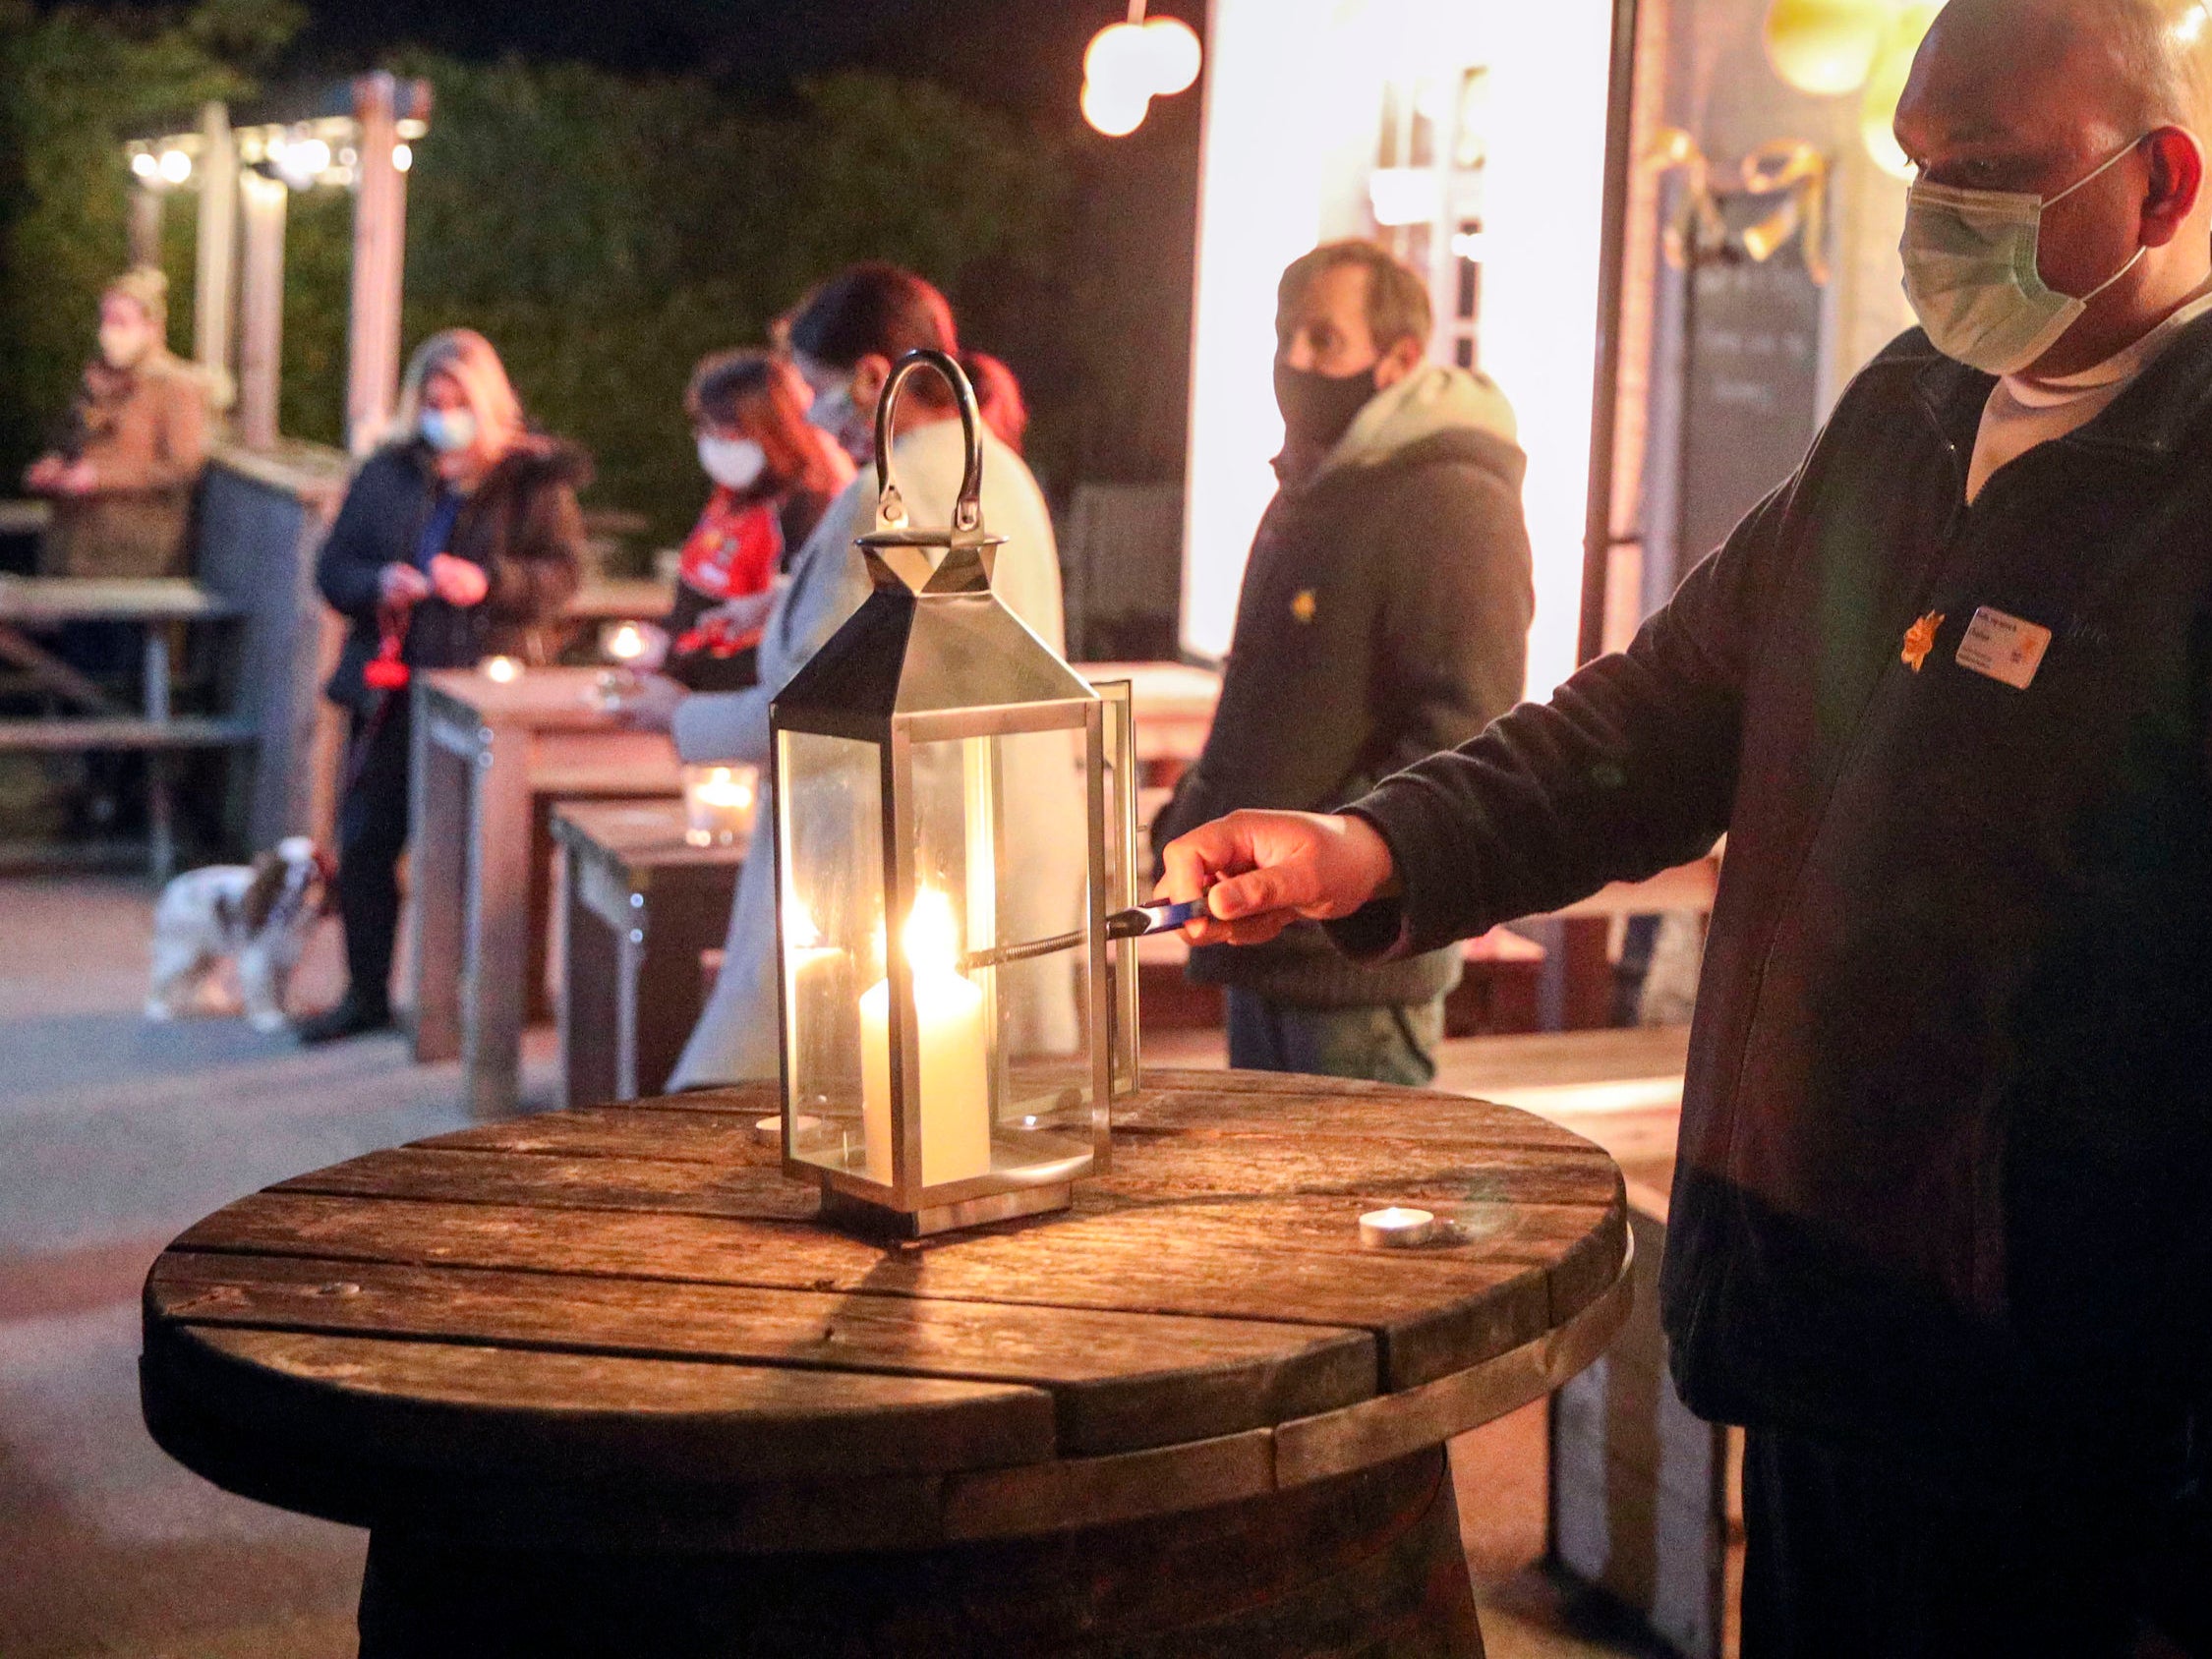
(626, 643)
(931, 938)
(725, 788)
(501, 669)
(798, 926)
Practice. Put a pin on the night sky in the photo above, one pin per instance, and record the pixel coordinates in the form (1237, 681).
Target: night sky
(1023, 54)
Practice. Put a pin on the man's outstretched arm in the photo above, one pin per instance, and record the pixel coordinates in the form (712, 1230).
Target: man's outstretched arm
(1629, 769)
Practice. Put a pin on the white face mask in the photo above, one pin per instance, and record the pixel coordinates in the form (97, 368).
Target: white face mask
(447, 431)
(123, 344)
(1970, 273)
(734, 463)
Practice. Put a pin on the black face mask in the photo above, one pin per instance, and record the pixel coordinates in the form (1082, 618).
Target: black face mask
(1317, 407)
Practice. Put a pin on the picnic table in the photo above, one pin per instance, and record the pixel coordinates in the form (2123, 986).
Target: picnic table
(31, 604)
(491, 759)
(599, 1382)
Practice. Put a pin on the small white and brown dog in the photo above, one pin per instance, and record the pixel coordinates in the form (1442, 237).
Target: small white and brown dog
(258, 915)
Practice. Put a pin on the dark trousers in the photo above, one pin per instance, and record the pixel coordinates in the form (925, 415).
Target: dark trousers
(372, 834)
(1847, 1557)
(1386, 1043)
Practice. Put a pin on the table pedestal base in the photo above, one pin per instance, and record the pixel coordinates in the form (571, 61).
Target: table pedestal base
(1368, 1564)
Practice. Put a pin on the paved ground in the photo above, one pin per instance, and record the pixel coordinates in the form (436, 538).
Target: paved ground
(115, 1134)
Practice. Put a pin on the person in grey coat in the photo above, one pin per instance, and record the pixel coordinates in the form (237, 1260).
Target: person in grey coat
(1385, 615)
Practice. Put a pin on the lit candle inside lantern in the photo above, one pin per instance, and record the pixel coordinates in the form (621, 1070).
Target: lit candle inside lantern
(719, 804)
(501, 670)
(953, 1091)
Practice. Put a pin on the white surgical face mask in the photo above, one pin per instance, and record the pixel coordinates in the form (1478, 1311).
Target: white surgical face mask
(734, 463)
(447, 431)
(1970, 273)
(123, 344)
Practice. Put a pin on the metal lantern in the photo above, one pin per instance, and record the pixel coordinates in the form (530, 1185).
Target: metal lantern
(954, 820)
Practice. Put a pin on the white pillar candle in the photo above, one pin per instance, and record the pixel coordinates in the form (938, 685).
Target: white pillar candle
(952, 1090)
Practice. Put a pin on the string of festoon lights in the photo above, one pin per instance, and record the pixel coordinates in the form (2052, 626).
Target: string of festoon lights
(1130, 64)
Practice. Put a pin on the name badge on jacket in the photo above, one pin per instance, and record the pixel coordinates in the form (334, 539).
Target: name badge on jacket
(2003, 648)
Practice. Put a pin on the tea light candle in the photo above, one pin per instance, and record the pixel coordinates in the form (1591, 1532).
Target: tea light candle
(502, 670)
(953, 1091)
(626, 642)
(1396, 1228)
(719, 804)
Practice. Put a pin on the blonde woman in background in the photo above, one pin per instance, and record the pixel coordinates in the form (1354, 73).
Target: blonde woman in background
(459, 539)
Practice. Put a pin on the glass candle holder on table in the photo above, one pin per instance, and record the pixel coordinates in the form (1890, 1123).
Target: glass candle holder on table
(720, 804)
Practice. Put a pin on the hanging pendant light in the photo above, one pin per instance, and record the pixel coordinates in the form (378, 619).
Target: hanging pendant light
(1826, 47)
(1130, 64)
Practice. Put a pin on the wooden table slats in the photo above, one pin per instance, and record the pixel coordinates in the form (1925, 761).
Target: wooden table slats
(1120, 1381)
(642, 1294)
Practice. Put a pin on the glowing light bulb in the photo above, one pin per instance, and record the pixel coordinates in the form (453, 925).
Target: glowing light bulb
(1824, 46)
(1113, 111)
(176, 166)
(402, 157)
(1878, 111)
(1119, 57)
(145, 164)
(1172, 55)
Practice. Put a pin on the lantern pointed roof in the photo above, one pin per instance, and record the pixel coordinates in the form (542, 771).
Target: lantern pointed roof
(926, 645)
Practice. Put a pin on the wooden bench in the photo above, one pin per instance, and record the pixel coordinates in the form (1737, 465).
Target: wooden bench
(31, 603)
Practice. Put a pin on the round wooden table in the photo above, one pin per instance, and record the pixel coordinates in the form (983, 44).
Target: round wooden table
(598, 1384)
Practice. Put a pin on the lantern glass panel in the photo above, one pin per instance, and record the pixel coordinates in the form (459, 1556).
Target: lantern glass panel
(1002, 849)
(830, 852)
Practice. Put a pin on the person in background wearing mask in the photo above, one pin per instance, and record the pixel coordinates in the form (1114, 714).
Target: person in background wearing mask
(1384, 616)
(121, 476)
(775, 474)
(458, 539)
(844, 337)
(1941, 1223)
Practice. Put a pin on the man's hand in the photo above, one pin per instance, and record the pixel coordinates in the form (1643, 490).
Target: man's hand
(1262, 871)
(402, 584)
(77, 478)
(458, 582)
(43, 476)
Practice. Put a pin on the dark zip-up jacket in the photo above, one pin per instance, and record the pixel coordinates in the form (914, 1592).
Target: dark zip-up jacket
(1945, 1167)
(521, 524)
(1385, 615)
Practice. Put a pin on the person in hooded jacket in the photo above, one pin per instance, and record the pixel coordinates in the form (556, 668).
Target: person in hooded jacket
(1385, 615)
(459, 539)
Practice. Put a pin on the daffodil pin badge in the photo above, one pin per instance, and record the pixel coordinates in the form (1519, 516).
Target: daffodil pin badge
(1920, 639)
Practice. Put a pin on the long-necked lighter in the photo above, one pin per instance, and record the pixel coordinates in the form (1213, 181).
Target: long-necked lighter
(1122, 924)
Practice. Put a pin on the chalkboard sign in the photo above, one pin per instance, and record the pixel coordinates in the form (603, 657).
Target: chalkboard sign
(1752, 395)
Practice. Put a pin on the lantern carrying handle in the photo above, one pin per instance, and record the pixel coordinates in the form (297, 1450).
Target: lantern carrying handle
(891, 506)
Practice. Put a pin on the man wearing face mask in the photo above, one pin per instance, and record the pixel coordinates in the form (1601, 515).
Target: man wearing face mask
(121, 476)
(1941, 1234)
(1384, 616)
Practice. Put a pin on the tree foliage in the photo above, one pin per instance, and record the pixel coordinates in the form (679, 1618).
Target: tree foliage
(604, 231)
